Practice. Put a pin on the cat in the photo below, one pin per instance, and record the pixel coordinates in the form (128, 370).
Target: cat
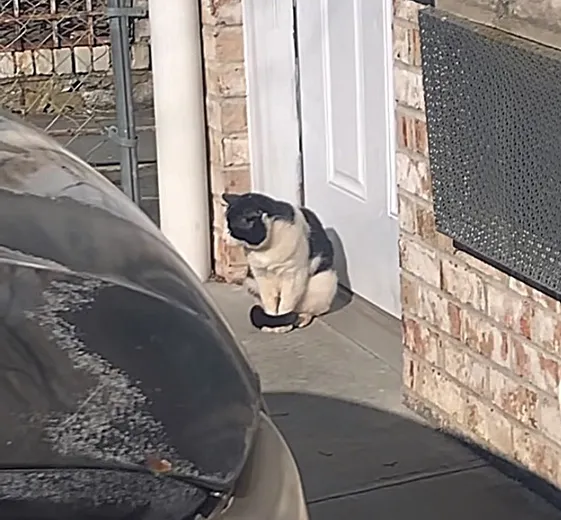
(290, 259)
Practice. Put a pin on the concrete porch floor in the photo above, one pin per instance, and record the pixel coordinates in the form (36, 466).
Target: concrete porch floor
(334, 390)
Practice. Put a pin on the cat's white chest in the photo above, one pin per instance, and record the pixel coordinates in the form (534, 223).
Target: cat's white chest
(265, 261)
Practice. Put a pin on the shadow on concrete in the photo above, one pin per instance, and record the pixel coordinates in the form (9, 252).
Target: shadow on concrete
(344, 295)
(361, 462)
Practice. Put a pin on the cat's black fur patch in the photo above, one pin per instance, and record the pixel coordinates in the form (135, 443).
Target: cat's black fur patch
(245, 215)
(259, 318)
(320, 245)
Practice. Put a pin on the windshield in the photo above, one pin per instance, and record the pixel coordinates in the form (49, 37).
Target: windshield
(32, 162)
(70, 216)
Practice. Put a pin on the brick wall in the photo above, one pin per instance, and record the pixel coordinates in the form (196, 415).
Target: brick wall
(223, 48)
(482, 350)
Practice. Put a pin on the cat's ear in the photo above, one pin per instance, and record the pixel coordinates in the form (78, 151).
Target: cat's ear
(230, 198)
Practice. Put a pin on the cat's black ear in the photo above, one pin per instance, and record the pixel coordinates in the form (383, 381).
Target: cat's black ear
(230, 198)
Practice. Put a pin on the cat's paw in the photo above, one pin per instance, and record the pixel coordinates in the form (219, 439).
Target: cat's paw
(278, 330)
(304, 320)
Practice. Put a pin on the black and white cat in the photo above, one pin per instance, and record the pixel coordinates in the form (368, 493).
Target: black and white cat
(290, 258)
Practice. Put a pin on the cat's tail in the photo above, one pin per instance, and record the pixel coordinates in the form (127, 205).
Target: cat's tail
(259, 318)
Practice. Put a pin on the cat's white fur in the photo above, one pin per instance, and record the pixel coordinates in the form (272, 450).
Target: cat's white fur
(285, 279)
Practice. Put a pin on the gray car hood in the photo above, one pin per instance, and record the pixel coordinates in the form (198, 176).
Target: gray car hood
(112, 354)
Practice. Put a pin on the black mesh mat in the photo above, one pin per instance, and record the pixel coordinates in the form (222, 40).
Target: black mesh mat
(493, 106)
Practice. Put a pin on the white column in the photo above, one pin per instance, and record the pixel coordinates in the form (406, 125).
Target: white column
(180, 129)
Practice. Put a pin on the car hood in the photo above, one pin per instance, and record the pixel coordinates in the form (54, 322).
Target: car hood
(112, 354)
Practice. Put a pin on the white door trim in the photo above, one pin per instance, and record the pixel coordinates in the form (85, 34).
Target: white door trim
(393, 203)
(271, 73)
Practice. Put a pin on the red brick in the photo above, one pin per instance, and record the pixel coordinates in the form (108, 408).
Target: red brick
(218, 215)
(407, 214)
(513, 398)
(221, 12)
(413, 175)
(509, 310)
(230, 260)
(236, 180)
(420, 261)
(480, 334)
(409, 294)
(426, 225)
(407, 44)
(536, 296)
(410, 370)
(489, 425)
(426, 229)
(437, 310)
(481, 267)
(465, 368)
(230, 180)
(421, 340)
(408, 88)
(223, 43)
(545, 330)
(550, 418)
(407, 10)
(435, 386)
(536, 454)
(412, 133)
(535, 366)
(463, 283)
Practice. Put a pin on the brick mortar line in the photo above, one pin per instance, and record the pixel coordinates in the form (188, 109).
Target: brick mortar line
(211, 96)
(237, 168)
(404, 22)
(417, 199)
(452, 257)
(484, 400)
(488, 363)
(402, 65)
(234, 134)
(486, 278)
(416, 156)
(477, 356)
(220, 63)
(414, 113)
(498, 325)
(221, 23)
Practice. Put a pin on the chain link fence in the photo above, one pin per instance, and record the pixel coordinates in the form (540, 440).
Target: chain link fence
(80, 69)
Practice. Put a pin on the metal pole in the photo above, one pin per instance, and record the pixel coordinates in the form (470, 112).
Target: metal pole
(125, 133)
(177, 74)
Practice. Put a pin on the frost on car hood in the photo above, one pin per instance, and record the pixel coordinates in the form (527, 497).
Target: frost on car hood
(112, 352)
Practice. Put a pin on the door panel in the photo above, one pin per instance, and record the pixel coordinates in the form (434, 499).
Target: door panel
(347, 127)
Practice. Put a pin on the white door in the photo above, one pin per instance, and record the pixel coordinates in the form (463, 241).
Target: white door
(347, 131)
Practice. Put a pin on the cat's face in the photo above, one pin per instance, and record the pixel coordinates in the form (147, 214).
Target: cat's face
(247, 219)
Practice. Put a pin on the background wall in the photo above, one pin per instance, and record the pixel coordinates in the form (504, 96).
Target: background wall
(482, 350)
